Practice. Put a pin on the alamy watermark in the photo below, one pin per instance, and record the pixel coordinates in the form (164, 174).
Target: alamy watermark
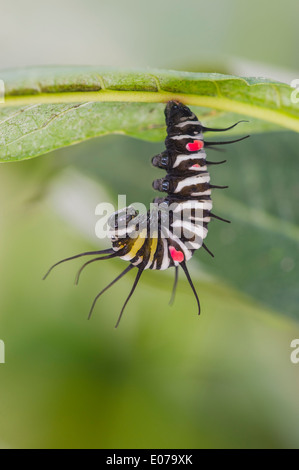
(2, 352)
(183, 219)
(295, 353)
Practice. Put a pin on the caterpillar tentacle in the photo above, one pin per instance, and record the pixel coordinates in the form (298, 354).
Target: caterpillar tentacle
(219, 218)
(113, 255)
(177, 225)
(207, 144)
(191, 284)
(210, 129)
(87, 253)
(213, 186)
(140, 271)
(215, 163)
(176, 278)
(128, 268)
(207, 250)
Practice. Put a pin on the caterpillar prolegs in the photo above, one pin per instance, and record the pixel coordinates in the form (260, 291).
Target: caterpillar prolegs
(176, 225)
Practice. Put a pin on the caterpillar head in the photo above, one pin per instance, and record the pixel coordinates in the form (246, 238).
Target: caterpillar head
(176, 112)
(120, 223)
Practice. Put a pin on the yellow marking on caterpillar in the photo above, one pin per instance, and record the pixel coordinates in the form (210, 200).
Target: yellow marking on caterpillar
(138, 243)
(153, 247)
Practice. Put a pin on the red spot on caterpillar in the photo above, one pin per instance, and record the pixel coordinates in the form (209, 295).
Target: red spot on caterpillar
(194, 146)
(176, 255)
(196, 165)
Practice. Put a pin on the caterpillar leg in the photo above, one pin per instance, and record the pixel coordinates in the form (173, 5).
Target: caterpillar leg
(140, 271)
(184, 266)
(176, 277)
(87, 253)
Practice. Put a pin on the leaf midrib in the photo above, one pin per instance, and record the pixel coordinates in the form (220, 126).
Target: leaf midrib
(278, 117)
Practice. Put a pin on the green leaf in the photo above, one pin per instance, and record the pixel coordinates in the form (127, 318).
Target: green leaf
(52, 107)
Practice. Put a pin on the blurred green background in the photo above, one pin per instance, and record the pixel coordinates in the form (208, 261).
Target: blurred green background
(166, 378)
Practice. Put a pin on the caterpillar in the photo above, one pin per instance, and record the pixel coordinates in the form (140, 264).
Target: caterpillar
(176, 225)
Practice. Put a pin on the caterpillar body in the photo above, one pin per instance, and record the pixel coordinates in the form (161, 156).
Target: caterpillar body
(176, 225)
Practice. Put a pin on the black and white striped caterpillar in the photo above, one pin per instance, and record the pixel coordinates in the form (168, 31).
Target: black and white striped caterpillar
(176, 225)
